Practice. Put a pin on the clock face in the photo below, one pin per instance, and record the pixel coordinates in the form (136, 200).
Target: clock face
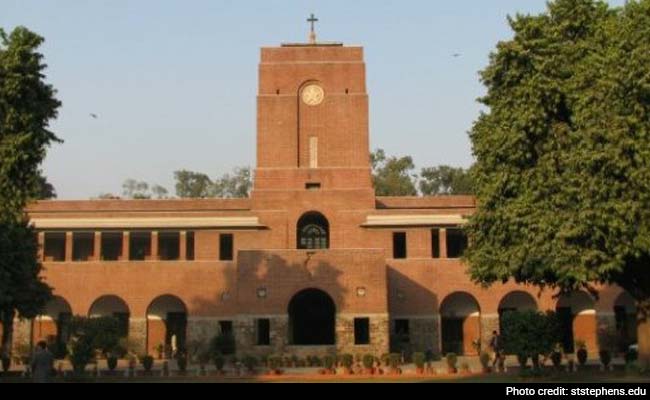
(313, 95)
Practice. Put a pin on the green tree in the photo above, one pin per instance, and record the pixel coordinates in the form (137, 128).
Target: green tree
(392, 176)
(27, 104)
(445, 180)
(22, 290)
(44, 189)
(138, 190)
(529, 334)
(562, 173)
(237, 185)
(192, 185)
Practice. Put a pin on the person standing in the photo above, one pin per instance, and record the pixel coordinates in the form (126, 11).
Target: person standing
(42, 363)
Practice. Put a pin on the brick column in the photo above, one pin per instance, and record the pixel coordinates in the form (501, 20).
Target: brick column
(182, 242)
(68, 246)
(443, 243)
(154, 246)
(41, 245)
(97, 246)
(126, 236)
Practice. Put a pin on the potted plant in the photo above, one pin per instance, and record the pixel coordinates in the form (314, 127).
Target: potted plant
(181, 361)
(369, 364)
(328, 364)
(418, 360)
(147, 363)
(250, 363)
(484, 358)
(464, 368)
(219, 362)
(581, 352)
(452, 359)
(394, 362)
(605, 359)
(275, 362)
(111, 362)
(556, 358)
(132, 364)
(160, 349)
(347, 360)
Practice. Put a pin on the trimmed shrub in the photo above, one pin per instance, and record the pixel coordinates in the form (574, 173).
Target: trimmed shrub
(181, 361)
(275, 363)
(394, 360)
(250, 363)
(223, 344)
(219, 361)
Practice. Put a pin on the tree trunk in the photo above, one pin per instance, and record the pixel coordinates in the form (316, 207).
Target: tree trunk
(643, 332)
(7, 333)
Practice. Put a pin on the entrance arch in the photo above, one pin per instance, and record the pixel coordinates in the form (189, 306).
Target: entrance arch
(626, 323)
(312, 318)
(53, 324)
(577, 314)
(112, 306)
(516, 301)
(461, 323)
(313, 231)
(166, 325)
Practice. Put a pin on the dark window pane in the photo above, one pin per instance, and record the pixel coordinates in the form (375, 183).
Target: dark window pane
(263, 332)
(456, 243)
(361, 331)
(225, 247)
(399, 245)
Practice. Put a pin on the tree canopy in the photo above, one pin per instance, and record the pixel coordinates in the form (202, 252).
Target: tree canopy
(392, 176)
(27, 104)
(562, 173)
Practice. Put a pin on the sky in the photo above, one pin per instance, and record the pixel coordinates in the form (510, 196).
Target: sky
(173, 83)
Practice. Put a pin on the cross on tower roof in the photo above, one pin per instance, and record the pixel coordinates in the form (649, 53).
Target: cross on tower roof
(312, 34)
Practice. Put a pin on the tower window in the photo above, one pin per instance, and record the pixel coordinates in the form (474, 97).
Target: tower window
(313, 232)
(399, 245)
(263, 332)
(435, 243)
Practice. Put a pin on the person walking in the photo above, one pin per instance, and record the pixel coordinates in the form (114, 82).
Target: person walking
(42, 363)
(495, 347)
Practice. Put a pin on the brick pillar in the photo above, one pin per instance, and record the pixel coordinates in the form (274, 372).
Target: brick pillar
(126, 236)
(97, 246)
(138, 335)
(68, 246)
(154, 246)
(443, 243)
(41, 245)
(182, 243)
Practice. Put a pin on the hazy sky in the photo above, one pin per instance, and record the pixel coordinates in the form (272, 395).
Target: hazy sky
(174, 82)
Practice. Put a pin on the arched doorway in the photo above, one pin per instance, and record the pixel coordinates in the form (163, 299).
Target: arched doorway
(166, 325)
(312, 231)
(112, 306)
(461, 324)
(577, 314)
(626, 328)
(312, 317)
(53, 325)
(516, 301)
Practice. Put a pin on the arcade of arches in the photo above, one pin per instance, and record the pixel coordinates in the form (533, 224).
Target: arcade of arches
(313, 320)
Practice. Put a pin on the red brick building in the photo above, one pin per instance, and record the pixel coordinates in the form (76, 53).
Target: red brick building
(312, 262)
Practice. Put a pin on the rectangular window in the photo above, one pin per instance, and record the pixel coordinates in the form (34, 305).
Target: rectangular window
(83, 244)
(399, 244)
(54, 247)
(312, 186)
(361, 331)
(189, 246)
(225, 327)
(111, 246)
(225, 247)
(169, 245)
(435, 243)
(263, 332)
(456, 243)
(139, 246)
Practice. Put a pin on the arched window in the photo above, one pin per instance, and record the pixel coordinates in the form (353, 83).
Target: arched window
(313, 231)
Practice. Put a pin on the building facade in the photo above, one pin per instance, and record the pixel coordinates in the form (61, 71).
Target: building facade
(311, 263)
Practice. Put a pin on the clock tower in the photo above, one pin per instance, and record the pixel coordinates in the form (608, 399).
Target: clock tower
(312, 119)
